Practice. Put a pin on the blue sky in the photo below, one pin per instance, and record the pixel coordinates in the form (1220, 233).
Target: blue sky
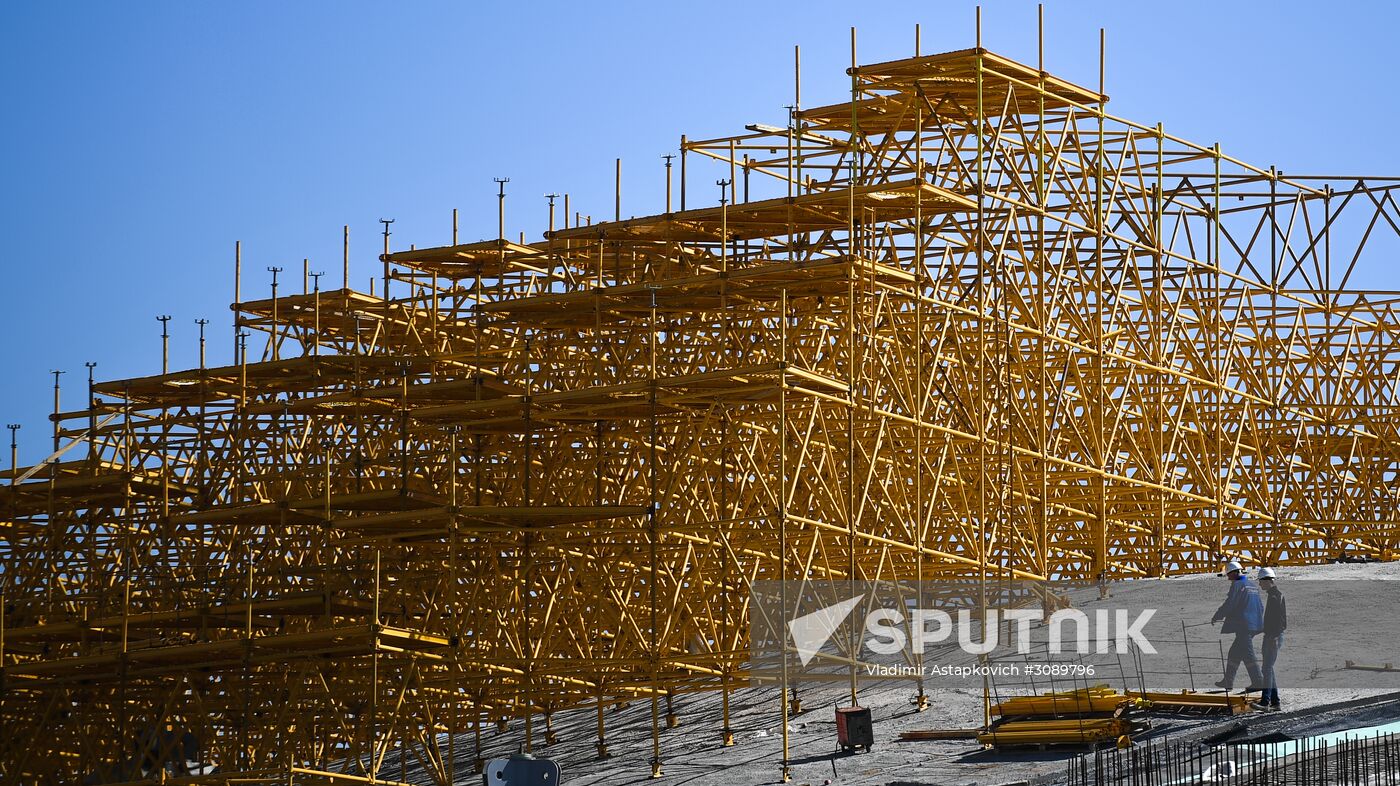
(142, 139)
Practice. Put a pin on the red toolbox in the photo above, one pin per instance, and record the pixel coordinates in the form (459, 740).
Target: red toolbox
(854, 729)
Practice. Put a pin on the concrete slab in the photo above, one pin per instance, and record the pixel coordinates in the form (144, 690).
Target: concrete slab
(691, 753)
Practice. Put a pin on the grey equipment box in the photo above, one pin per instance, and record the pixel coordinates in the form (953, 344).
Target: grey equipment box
(520, 769)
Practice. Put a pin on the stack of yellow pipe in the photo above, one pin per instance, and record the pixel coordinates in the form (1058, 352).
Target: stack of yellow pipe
(1189, 700)
(1060, 718)
(1050, 731)
(1099, 698)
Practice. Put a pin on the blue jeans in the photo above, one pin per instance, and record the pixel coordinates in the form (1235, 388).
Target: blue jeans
(1273, 642)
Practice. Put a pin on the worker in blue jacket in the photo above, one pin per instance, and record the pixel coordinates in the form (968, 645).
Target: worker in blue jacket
(1243, 615)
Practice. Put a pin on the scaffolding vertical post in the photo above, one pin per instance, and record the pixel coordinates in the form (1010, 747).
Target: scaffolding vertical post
(921, 514)
(724, 225)
(854, 360)
(315, 312)
(785, 614)
(237, 291)
(1102, 289)
(1042, 275)
(795, 124)
(92, 411)
(981, 408)
(374, 629)
(56, 408)
(164, 320)
(668, 158)
(276, 333)
(385, 256)
(14, 451)
(1159, 344)
(653, 534)
(1215, 342)
(201, 323)
(459, 628)
(500, 207)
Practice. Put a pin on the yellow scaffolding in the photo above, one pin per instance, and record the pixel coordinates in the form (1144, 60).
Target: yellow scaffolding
(982, 328)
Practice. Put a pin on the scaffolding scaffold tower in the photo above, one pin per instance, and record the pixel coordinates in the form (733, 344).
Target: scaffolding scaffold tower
(964, 324)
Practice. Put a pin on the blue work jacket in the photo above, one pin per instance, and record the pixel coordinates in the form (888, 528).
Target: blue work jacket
(1243, 609)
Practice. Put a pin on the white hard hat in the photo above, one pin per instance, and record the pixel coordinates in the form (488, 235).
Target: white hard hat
(1266, 573)
(1233, 565)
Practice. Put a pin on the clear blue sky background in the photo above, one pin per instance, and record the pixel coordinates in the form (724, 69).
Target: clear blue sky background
(142, 138)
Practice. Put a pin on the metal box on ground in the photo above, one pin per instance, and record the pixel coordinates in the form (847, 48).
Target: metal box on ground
(854, 728)
(520, 770)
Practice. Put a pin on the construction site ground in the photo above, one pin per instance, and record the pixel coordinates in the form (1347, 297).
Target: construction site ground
(692, 753)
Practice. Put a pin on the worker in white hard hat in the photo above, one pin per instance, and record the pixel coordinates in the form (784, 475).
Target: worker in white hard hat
(1275, 623)
(1243, 615)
